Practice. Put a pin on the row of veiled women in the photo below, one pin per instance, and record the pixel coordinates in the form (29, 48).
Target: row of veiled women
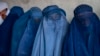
(47, 33)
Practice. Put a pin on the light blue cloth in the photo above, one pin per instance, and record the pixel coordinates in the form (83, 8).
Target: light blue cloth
(50, 35)
(26, 43)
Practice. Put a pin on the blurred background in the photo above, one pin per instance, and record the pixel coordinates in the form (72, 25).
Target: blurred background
(67, 5)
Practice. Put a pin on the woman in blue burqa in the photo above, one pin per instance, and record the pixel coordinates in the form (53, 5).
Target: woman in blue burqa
(51, 32)
(19, 29)
(6, 30)
(83, 38)
(27, 40)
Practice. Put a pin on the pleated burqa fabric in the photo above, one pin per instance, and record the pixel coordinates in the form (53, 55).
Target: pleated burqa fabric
(27, 40)
(6, 31)
(51, 32)
(84, 33)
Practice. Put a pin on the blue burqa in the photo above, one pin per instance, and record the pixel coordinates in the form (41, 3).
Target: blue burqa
(51, 32)
(18, 31)
(6, 31)
(83, 38)
(27, 40)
